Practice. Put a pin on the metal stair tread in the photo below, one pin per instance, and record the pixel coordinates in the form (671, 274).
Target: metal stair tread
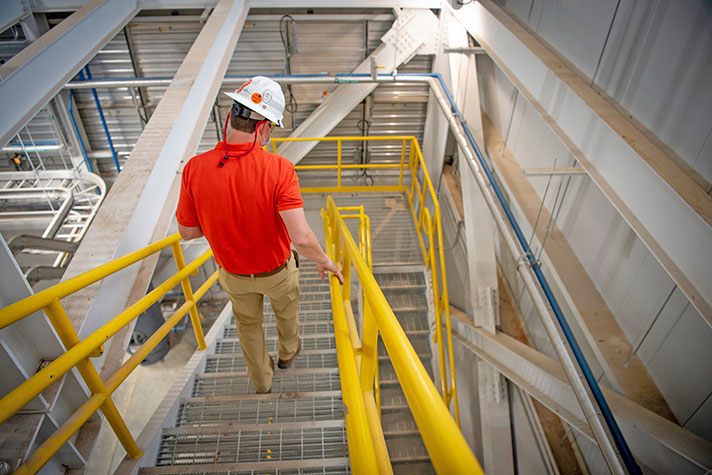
(228, 429)
(262, 468)
(276, 372)
(264, 445)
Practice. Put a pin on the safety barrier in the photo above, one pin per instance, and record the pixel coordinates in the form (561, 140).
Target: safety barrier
(421, 198)
(358, 360)
(79, 351)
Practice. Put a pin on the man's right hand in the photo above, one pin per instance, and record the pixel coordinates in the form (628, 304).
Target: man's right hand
(330, 266)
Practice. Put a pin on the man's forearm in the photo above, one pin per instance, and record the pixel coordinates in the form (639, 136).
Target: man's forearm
(310, 248)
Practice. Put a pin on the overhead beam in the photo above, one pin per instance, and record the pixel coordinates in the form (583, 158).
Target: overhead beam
(666, 208)
(38, 72)
(69, 5)
(412, 31)
(655, 441)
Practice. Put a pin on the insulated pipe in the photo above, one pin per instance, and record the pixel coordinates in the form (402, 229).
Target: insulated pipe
(541, 294)
(531, 272)
(103, 120)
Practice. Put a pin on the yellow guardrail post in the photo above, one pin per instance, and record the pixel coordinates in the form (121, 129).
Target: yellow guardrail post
(402, 164)
(338, 163)
(65, 330)
(188, 293)
(78, 351)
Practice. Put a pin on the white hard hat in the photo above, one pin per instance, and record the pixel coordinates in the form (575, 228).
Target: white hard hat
(263, 96)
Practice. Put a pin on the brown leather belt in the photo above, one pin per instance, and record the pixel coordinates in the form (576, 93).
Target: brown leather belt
(267, 273)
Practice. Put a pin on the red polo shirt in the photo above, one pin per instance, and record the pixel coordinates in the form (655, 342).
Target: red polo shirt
(237, 206)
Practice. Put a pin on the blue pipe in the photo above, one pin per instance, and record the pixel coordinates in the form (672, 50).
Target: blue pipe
(79, 136)
(618, 438)
(103, 121)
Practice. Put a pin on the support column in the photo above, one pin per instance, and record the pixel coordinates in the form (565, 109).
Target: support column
(459, 69)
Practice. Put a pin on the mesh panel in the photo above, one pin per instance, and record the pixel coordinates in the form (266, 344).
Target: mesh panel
(287, 382)
(260, 411)
(236, 363)
(253, 446)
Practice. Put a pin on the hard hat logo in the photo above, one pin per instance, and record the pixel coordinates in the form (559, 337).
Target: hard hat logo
(244, 85)
(268, 102)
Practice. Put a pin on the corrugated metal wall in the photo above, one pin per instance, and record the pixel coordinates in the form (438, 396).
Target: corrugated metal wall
(323, 46)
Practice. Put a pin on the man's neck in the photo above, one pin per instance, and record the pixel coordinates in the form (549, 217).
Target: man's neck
(238, 136)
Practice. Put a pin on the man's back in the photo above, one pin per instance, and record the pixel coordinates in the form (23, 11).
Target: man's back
(237, 205)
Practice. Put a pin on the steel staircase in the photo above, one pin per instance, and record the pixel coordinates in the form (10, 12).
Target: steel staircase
(405, 292)
(299, 427)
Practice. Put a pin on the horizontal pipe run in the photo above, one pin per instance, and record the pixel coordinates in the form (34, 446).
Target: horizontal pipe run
(237, 80)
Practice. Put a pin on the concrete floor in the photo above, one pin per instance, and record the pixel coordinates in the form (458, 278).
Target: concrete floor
(142, 392)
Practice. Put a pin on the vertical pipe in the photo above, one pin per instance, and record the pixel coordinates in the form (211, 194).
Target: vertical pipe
(103, 120)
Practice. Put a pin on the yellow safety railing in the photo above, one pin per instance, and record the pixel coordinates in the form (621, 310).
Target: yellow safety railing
(79, 351)
(358, 362)
(421, 198)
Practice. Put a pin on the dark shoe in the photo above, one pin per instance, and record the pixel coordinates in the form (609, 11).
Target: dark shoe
(284, 364)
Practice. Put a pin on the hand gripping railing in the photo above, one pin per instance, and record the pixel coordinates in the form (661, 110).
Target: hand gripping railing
(79, 351)
(421, 199)
(358, 360)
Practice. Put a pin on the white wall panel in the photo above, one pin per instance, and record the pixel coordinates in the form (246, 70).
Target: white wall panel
(700, 421)
(676, 347)
(529, 456)
(657, 65)
(521, 8)
(681, 365)
(655, 62)
(498, 101)
(559, 22)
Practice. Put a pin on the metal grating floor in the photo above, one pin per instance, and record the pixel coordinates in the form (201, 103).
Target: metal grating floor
(308, 343)
(253, 446)
(236, 363)
(304, 317)
(282, 382)
(400, 278)
(270, 331)
(260, 411)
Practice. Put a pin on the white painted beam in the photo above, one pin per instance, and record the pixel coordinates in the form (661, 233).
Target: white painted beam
(413, 31)
(34, 75)
(654, 440)
(11, 12)
(667, 210)
(130, 217)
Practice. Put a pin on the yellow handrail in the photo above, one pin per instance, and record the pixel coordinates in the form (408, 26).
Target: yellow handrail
(448, 450)
(428, 225)
(78, 352)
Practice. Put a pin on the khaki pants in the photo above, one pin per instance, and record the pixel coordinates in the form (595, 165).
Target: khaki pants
(246, 294)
